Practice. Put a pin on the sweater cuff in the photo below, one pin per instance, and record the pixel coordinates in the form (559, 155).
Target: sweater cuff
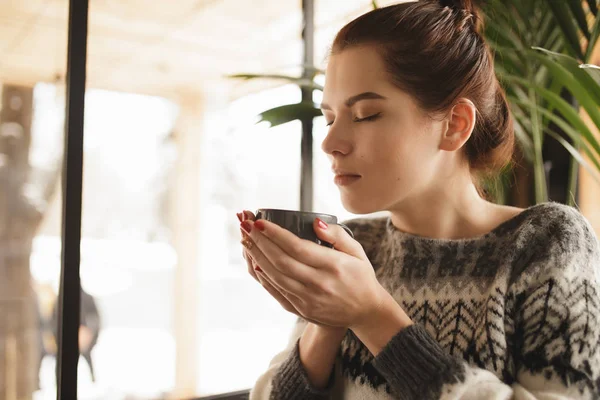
(416, 365)
(291, 381)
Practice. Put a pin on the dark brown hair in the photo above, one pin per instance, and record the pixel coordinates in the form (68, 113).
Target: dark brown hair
(434, 51)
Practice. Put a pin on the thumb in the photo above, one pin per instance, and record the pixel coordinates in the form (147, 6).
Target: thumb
(338, 237)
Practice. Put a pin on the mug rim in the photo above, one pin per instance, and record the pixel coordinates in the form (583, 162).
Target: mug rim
(334, 218)
(295, 212)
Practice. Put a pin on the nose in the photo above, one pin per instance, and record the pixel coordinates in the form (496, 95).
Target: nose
(336, 141)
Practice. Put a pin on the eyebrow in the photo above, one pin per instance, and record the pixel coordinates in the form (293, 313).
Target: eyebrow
(355, 99)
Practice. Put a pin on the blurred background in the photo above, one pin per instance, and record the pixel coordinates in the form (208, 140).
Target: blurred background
(171, 142)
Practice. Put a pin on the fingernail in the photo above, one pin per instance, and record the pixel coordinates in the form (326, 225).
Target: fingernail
(239, 215)
(244, 216)
(260, 225)
(246, 227)
(322, 224)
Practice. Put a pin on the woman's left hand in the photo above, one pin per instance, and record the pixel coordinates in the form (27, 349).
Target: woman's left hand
(335, 287)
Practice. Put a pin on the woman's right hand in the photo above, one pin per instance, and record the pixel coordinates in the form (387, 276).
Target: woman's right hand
(279, 294)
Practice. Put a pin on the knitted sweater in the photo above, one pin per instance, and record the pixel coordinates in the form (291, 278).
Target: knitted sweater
(512, 314)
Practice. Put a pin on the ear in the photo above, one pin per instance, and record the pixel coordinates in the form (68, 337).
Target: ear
(461, 122)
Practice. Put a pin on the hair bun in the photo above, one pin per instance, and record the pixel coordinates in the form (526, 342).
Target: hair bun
(467, 12)
(459, 4)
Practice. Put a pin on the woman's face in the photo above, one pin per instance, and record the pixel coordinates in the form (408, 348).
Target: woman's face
(378, 132)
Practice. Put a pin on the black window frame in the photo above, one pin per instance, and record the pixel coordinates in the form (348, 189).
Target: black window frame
(70, 284)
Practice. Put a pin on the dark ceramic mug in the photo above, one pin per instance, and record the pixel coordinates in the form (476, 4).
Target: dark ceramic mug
(300, 222)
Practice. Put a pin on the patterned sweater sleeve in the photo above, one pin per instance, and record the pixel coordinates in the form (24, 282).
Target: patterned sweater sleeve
(556, 330)
(286, 378)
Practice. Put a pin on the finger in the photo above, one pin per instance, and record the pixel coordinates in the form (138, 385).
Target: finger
(245, 215)
(281, 280)
(291, 297)
(283, 300)
(254, 269)
(248, 216)
(283, 264)
(247, 257)
(339, 238)
(285, 303)
(249, 264)
(304, 251)
(288, 295)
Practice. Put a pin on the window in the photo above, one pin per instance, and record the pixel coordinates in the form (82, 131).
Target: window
(247, 166)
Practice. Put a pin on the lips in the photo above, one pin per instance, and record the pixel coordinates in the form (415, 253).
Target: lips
(343, 172)
(345, 180)
(345, 177)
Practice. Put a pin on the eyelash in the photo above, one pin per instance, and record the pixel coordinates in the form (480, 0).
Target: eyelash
(366, 119)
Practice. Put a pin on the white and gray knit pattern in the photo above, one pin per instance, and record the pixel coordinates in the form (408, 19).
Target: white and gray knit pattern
(510, 314)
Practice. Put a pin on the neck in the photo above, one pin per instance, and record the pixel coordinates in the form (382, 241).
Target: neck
(452, 211)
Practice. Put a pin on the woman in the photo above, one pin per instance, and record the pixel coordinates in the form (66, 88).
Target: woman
(452, 296)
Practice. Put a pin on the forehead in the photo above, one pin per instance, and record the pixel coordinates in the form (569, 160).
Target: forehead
(353, 70)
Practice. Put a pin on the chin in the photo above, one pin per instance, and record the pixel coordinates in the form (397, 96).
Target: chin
(356, 206)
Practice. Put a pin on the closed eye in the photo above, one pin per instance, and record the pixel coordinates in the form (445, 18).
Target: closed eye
(366, 119)
(369, 118)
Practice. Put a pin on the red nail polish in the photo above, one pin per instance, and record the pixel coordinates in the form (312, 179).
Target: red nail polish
(321, 224)
(246, 227)
(239, 215)
(260, 225)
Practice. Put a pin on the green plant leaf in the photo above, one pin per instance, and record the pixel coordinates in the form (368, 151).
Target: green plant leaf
(576, 155)
(524, 139)
(590, 66)
(592, 70)
(577, 10)
(302, 82)
(593, 36)
(290, 112)
(576, 127)
(508, 16)
(577, 137)
(580, 83)
(556, 43)
(563, 16)
(527, 10)
(519, 16)
(547, 33)
(508, 38)
(555, 86)
(509, 61)
(540, 184)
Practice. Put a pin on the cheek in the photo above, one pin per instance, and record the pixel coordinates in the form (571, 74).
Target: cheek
(397, 160)
(398, 150)
(401, 157)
